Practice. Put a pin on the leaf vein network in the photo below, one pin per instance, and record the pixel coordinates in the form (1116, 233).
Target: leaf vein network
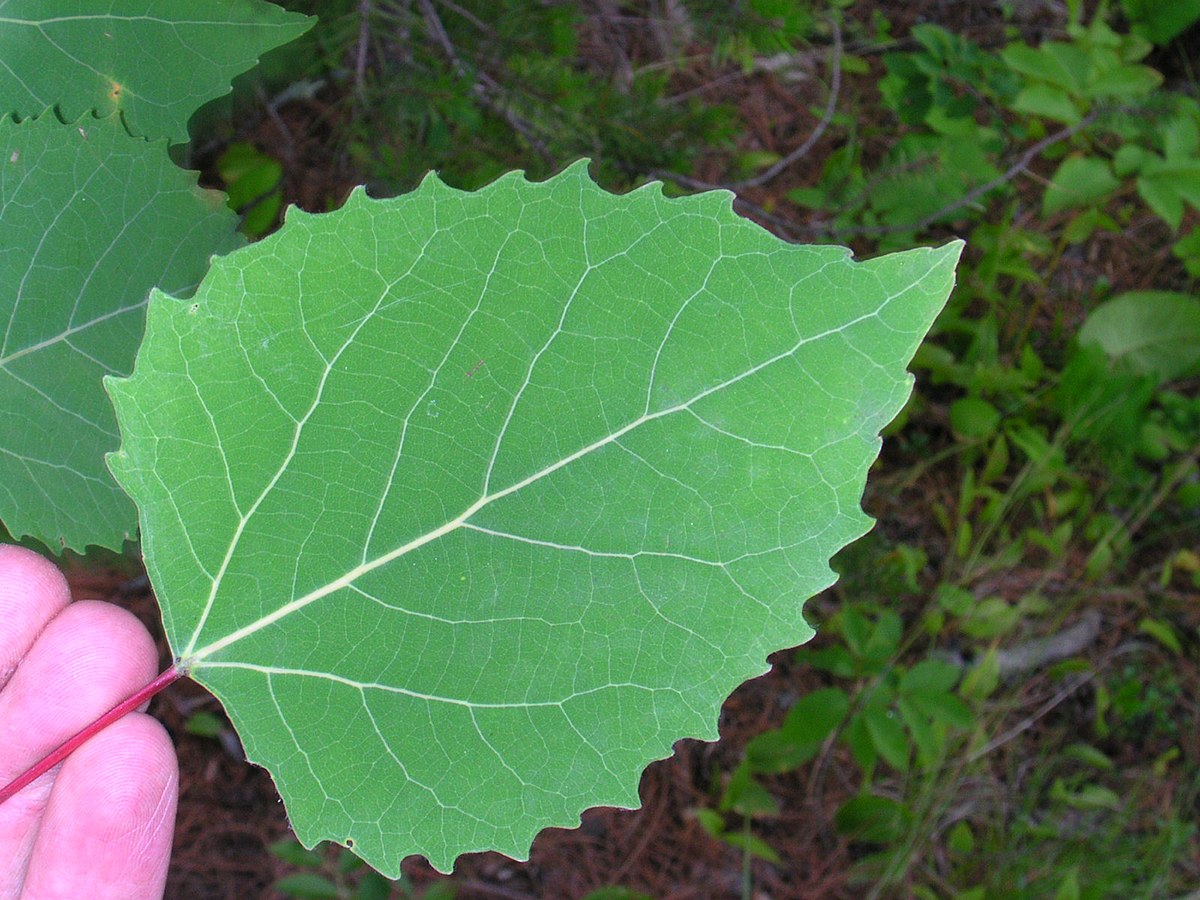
(197, 656)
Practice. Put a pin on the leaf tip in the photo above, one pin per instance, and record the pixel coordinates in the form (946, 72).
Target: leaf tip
(954, 248)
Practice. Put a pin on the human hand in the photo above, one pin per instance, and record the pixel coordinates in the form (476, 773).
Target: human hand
(99, 825)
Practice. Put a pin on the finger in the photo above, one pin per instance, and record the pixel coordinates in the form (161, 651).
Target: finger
(108, 827)
(32, 592)
(86, 660)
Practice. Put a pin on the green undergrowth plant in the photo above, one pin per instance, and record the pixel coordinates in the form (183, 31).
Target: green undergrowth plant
(475, 89)
(1051, 426)
(902, 723)
(942, 803)
(328, 873)
(467, 505)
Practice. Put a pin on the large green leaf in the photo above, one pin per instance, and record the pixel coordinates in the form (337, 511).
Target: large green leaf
(468, 506)
(157, 61)
(92, 220)
(1148, 332)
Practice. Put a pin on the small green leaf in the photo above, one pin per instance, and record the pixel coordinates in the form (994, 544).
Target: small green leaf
(616, 893)
(1162, 196)
(1148, 332)
(752, 844)
(1044, 64)
(1049, 102)
(291, 851)
(974, 418)
(885, 638)
(1089, 755)
(995, 466)
(957, 601)
(991, 617)
(962, 538)
(307, 886)
(252, 180)
(1079, 181)
(809, 722)
(943, 708)
(1089, 796)
(373, 886)
(835, 660)
(928, 740)
(711, 821)
(1129, 159)
(1084, 224)
(856, 630)
(1125, 82)
(887, 734)
(746, 796)
(1187, 249)
(872, 819)
(1161, 21)
(204, 724)
(1181, 138)
(1162, 632)
(1068, 888)
(929, 676)
(1162, 762)
(960, 839)
(982, 680)
(860, 742)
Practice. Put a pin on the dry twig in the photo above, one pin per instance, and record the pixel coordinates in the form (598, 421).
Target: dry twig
(360, 55)
(485, 88)
(835, 89)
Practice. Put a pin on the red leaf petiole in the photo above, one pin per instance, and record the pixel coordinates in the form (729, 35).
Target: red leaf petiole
(65, 749)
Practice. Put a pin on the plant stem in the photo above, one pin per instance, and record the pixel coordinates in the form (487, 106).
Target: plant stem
(65, 749)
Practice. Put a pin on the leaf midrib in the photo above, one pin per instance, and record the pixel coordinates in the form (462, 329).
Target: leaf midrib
(194, 658)
(68, 333)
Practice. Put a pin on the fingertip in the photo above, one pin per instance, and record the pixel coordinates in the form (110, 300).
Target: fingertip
(22, 567)
(111, 816)
(131, 772)
(32, 592)
(90, 657)
(93, 654)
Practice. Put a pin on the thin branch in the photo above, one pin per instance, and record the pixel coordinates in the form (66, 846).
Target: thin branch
(1012, 172)
(468, 15)
(794, 231)
(835, 89)
(69, 746)
(978, 191)
(485, 88)
(272, 109)
(360, 57)
(1071, 687)
(1181, 471)
(701, 88)
(438, 31)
